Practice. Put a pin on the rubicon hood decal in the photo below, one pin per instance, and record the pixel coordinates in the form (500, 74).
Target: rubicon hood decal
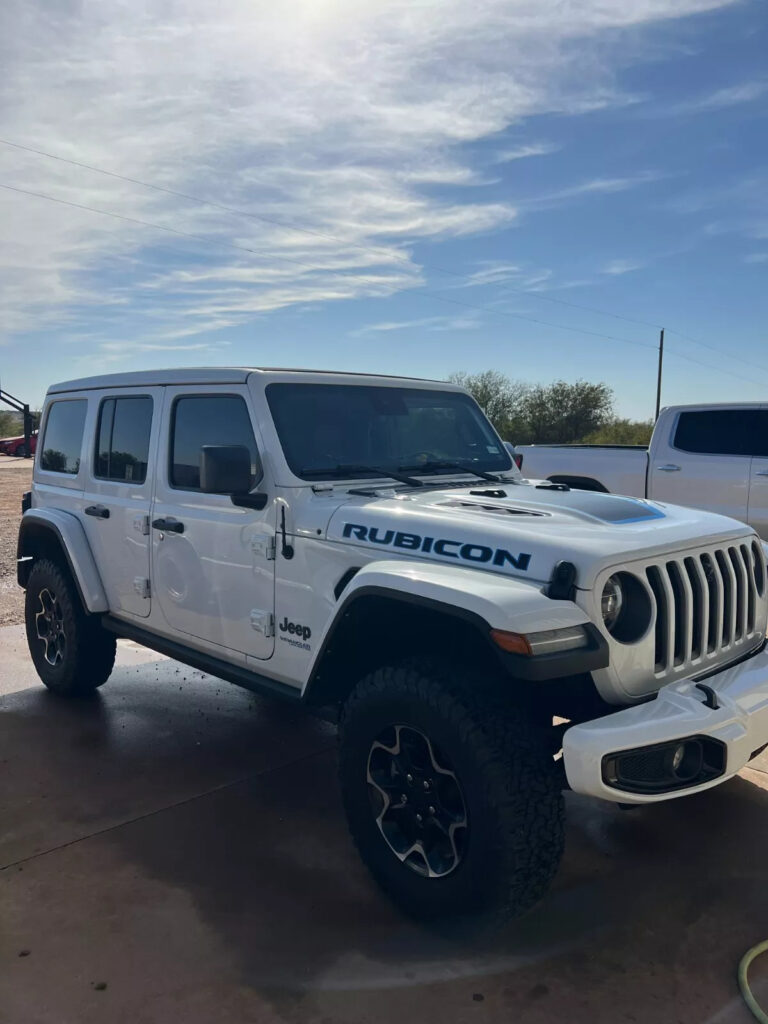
(447, 548)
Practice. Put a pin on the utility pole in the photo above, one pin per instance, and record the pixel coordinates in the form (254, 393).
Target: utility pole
(658, 379)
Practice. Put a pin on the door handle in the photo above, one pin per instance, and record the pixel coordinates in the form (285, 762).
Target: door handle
(99, 511)
(168, 525)
(762, 472)
(670, 467)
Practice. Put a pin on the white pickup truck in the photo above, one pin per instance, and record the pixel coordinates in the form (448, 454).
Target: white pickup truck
(713, 457)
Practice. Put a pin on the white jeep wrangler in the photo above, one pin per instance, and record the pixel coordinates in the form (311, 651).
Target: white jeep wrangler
(364, 543)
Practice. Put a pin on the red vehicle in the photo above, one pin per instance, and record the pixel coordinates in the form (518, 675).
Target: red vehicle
(16, 446)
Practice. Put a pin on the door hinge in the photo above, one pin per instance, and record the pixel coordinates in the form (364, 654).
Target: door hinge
(264, 546)
(141, 586)
(263, 622)
(141, 525)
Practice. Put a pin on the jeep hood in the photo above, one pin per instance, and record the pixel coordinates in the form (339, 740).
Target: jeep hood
(524, 530)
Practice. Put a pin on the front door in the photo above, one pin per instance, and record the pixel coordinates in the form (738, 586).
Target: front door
(117, 496)
(212, 562)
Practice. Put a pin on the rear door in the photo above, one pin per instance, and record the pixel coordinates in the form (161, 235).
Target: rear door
(118, 494)
(705, 460)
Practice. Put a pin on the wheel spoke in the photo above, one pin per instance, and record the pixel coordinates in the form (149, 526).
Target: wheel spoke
(49, 627)
(417, 801)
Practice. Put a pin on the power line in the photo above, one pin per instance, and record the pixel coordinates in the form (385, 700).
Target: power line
(709, 366)
(302, 263)
(369, 249)
(423, 291)
(316, 234)
(718, 351)
(373, 250)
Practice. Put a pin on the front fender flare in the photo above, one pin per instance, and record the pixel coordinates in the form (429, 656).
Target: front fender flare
(500, 601)
(71, 537)
(486, 600)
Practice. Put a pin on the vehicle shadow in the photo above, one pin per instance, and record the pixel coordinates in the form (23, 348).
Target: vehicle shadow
(669, 892)
(197, 795)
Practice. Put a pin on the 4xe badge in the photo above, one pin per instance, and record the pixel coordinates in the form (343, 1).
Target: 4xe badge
(298, 635)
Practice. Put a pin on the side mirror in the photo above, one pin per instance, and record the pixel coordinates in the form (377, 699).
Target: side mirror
(225, 469)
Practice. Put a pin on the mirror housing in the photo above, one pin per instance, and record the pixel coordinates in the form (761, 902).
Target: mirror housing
(225, 469)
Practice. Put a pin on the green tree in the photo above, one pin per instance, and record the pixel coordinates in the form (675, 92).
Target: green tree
(498, 396)
(562, 413)
(621, 431)
(10, 424)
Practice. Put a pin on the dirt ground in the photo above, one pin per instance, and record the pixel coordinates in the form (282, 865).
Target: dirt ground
(15, 478)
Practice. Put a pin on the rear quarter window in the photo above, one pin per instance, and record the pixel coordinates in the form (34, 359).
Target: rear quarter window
(63, 437)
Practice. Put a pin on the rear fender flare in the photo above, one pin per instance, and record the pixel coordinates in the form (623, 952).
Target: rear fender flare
(66, 530)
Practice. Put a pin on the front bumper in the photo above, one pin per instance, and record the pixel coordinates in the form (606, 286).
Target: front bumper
(679, 711)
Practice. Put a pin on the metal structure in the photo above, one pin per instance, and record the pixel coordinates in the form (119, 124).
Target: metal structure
(23, 408)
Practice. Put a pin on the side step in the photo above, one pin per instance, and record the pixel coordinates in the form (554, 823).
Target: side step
(253, 681)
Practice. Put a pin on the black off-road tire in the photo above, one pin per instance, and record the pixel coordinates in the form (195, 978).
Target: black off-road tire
(77, 654)
(503, 762)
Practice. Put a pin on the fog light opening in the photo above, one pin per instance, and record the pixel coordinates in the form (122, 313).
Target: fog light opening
(686, 760)
(665, 767)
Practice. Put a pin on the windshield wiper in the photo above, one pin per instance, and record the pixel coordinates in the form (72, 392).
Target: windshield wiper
(436, 465)
(354, 470)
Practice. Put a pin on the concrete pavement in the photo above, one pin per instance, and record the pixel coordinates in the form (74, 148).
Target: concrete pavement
(174, 849)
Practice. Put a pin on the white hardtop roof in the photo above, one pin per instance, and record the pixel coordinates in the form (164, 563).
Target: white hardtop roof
(215, 375)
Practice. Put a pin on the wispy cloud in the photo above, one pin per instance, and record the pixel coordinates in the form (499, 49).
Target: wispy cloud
(596, 186)
(619, 267)
(521, 152)
(756, 257)
(332, 128)
(465, 322)
(730, 96)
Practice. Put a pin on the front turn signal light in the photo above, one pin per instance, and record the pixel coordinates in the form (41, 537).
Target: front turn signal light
(547, 641)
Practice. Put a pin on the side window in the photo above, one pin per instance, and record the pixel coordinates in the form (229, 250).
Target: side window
(208, 419)
(63, 437)
(723, 432)
(122, 446)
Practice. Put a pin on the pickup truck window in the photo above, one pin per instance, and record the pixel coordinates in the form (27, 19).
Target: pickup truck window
(323, 426)
(207, 419)
(63, 437)
(123, 439)
(723, 432)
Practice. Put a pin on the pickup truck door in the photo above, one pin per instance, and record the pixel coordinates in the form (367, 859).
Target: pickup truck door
(213, 569)
(758, 482)
(702, 459)
(117, 495)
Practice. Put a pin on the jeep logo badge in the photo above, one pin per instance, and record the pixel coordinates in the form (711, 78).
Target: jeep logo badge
(296, 629)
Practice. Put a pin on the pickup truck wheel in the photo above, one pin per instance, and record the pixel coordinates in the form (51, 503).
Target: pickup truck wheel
(452, 796)
(71, 652)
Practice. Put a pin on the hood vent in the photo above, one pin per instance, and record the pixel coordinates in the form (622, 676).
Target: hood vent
(499, 510)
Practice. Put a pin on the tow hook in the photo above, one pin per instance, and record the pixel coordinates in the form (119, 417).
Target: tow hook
(710, 697)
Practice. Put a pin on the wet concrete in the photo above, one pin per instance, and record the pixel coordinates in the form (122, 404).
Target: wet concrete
(181, 843)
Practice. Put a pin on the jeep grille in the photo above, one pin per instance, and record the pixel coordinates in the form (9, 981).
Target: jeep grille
(709, 606)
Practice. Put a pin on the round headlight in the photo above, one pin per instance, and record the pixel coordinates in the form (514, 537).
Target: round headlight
(626, 607)
(611, 602)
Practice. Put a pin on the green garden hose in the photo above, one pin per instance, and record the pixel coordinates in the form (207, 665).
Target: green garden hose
(746, 991)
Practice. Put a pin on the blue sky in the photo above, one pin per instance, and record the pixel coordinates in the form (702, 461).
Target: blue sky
(402, 187)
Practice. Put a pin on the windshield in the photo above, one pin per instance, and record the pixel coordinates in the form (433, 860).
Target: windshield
(324, 428)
